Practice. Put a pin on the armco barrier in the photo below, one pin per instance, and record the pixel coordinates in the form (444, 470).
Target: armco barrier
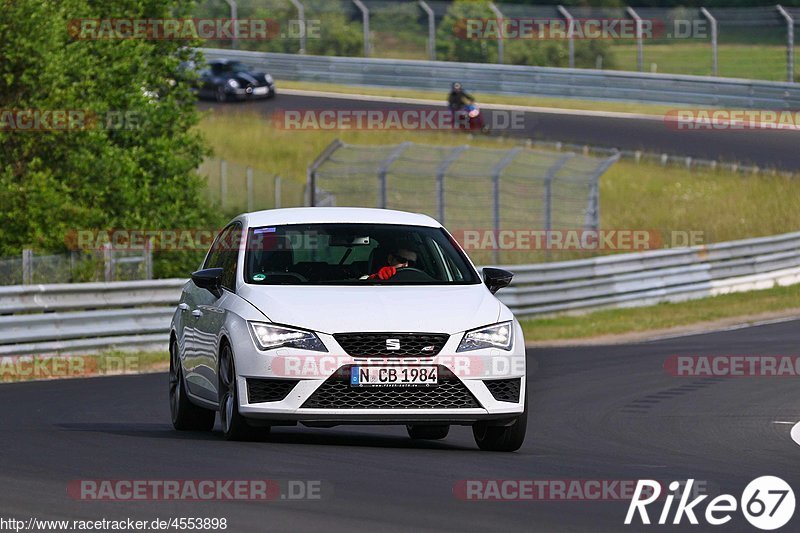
(522, 80)
(38, 319)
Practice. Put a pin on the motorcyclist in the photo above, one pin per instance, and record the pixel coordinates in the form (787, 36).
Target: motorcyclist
(400, 258)
(458, 98)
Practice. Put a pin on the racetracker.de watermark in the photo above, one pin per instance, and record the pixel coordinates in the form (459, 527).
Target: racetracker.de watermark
(731, 119)
(392, 119)
(29, 120)
(634, 240)
(32, 367)
(253, 29)
(554, 490)
(196, 489)
(541, 29)
(733, 366)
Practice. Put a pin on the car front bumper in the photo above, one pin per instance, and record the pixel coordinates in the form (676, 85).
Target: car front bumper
(467, 374)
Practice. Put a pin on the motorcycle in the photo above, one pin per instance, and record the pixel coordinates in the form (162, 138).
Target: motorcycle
(469, 118)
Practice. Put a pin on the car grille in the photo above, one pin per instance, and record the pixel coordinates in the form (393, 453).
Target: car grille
(269, 390)
(504, 390)
(374, 344)
(336, 393)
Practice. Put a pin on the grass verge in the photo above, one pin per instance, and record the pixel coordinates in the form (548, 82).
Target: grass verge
(662, 316)
(720, 204)
(46, 367)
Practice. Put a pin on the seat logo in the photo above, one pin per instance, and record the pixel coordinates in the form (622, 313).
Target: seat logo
(392, 344)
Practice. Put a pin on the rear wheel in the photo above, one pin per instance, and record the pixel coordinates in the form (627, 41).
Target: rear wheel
(234, 425)
(502, 438)
(428, 432)
(186, 416)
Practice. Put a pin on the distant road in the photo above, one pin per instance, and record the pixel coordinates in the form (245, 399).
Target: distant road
(765, 148)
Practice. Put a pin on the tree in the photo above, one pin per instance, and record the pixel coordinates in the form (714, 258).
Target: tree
(132, 164)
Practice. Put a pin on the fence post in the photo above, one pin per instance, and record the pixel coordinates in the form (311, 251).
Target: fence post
(223, 182)
(27, 266)
(235, 19)
(548, 189)
(301, 16)
(789, 43)
(383, 170)
(496, 171)
(714, 40)
(108, 263)
(249, 179)
(431, 29)
(365, 20)
(148, 259)
(500, 44)
(592, 220)
(570, 34)
(639, 38)
(278, 191)
(311, 171)
(440, 172)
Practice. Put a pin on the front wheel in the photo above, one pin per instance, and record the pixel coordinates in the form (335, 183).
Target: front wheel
(502, 438)
(186, 416)
(428, 432)
(234, 425)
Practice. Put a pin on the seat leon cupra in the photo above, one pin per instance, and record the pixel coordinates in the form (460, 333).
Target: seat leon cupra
(328, 316)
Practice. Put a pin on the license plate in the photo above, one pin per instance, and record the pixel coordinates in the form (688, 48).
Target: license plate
(260, 90)
(393, 376)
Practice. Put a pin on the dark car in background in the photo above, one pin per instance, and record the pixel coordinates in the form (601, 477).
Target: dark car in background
(227, 79)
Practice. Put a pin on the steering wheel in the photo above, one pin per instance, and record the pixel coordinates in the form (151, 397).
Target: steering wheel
(401, 273)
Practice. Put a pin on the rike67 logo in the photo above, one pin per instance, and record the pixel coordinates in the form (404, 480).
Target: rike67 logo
(767, 503)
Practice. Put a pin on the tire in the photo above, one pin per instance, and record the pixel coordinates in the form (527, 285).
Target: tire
(428, 432)
(502, 438)
(186, 416)
(234, 425)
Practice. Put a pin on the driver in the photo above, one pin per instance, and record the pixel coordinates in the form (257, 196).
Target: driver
(458, 98)
(400, 258)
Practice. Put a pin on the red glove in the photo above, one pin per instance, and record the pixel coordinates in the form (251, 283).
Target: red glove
(384, 273)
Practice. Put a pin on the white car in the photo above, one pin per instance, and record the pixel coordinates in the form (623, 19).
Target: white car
(329, 316)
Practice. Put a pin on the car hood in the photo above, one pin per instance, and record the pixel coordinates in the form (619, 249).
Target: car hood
(335, 309)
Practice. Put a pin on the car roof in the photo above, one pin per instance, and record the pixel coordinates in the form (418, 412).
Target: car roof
(318, 215)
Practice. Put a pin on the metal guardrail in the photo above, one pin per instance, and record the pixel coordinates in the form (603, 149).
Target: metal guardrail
(100, 316)
(523, 80)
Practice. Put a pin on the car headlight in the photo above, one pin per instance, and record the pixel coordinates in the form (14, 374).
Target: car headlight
(233, 83)
(496, 336)
(270, 336)
(268, 79)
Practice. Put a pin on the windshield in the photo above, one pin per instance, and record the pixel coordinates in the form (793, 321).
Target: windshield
(232, 66)
(330, 254)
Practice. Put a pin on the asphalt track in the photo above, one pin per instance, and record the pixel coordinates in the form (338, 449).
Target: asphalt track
(764, 148)
(609, 412)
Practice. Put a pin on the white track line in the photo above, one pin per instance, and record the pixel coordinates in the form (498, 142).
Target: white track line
(795, 433)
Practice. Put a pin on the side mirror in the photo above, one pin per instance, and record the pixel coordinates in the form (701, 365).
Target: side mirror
(209, 279)
(496, 278)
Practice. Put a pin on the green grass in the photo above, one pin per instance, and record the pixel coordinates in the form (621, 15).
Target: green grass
(646, 195)
(36, 367)
(662, 316)
(536, 101)
(761, 62)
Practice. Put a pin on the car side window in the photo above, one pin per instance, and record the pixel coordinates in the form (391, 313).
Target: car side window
(224, 254)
